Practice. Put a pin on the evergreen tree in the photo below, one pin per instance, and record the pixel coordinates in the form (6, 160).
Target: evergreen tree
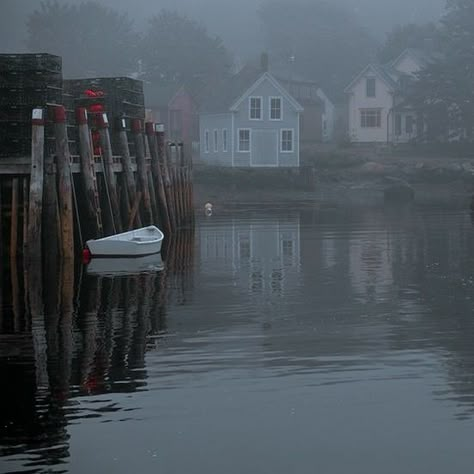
(178, 49)
(444, 93)
(402, 37)
(92, 40)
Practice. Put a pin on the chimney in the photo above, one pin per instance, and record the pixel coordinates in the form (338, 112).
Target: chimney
(264, 62)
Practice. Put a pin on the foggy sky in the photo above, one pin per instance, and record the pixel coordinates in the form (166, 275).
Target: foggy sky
(235, 21)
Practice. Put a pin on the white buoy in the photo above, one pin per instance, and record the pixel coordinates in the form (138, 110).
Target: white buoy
(208, 209)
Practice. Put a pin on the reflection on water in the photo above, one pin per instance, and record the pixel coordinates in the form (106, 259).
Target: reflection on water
(271, 341)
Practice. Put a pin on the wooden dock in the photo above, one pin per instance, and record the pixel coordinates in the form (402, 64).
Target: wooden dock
(64, 198)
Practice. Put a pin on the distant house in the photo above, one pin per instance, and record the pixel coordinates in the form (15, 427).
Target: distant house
(319, 115)
(174, 106)
(378, 110)
(250, 120)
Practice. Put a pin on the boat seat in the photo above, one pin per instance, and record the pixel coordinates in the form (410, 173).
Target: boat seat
(141, 239)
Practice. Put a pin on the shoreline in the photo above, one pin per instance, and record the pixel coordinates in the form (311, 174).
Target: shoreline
(429, 180)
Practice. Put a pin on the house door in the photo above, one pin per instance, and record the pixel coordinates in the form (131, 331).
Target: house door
(264, 148)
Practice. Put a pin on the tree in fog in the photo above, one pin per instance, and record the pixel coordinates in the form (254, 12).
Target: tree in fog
(178, 49)
(444, 93)
(402, 37)
(323, 41)
(92, 40)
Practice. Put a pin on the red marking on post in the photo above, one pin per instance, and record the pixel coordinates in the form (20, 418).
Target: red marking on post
(136, 126)
(150, 128)
(81, 115)
(96, 108)
(92, 93)
(59, 114)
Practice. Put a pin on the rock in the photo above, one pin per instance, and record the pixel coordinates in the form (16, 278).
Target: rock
(468, 168)
(373, 167)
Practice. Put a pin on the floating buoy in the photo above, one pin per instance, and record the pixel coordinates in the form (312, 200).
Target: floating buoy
(208, 209)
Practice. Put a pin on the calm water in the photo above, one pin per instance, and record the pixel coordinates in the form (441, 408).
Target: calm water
(274, 341)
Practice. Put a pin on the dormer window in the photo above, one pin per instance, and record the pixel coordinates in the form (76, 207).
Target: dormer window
(370, 86)
(255, 108)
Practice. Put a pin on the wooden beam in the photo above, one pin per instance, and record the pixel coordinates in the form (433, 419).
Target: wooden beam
(63, 161)
(35, 208)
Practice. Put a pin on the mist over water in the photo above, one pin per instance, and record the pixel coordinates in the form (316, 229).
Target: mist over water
(292, 335)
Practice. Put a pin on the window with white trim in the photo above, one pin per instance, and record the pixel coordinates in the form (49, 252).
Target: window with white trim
(286, 140)
(370, 118)
(244, 139)
(224, 139)
(255, 104)
(216, 143)
(275, 108)
(206, 141)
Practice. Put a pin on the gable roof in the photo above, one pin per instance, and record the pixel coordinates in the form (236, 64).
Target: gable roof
(266, 76)
(220, 96)
(384, 73)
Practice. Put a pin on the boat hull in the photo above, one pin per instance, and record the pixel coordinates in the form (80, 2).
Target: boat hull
(137, 243)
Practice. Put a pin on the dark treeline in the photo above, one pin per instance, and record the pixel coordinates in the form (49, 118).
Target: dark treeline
(321, 41)
(326, 41)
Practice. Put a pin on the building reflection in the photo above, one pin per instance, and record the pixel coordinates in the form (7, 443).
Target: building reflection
(264, 257)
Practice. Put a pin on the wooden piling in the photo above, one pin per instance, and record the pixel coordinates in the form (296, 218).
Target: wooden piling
(92, 203)
(25, 197)
(15, 292)
(63, 163)
(35, 209)
(154, 204)
(127, 168)
(163, 160)
(51, 238)
(170, 158)
(109, 174)
(14, 219)
(151, 131)
(2, 276)
(137, 130)
(134, 210)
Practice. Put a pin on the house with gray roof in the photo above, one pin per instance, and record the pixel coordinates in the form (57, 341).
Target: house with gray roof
(377, 100)
(318, 119)
(250, 120)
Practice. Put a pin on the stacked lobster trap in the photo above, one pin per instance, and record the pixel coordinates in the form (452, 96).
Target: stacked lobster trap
(120, 97)
(27, 81)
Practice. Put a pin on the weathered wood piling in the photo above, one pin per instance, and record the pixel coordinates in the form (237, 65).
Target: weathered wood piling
(153, 188)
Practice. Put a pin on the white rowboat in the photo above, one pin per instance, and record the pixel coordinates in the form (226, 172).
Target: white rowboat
(135, 243)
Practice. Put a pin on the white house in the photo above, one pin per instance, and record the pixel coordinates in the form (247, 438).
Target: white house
(377, 107)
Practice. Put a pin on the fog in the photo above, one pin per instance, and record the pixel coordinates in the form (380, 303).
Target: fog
(235, 22)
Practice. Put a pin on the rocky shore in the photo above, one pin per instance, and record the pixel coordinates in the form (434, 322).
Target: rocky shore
(342, 177)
